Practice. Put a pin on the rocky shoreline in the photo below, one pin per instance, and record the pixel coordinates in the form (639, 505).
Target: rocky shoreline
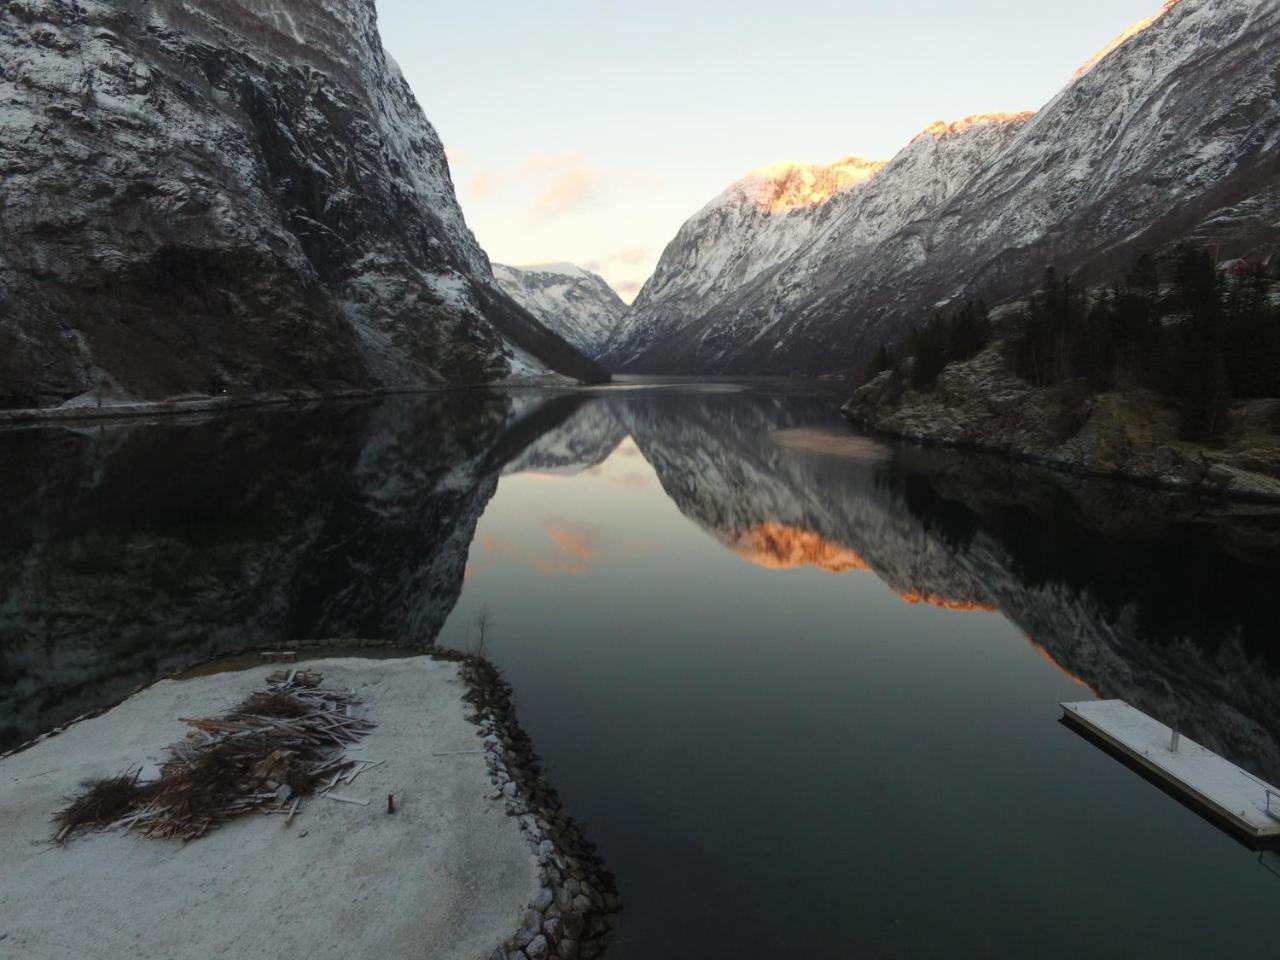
(1130, 436)
(89, 410)
(572, 917)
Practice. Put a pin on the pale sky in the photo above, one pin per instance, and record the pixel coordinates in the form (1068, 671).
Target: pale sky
(589, 130)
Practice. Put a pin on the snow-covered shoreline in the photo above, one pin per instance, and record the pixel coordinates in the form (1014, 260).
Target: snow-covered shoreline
(450, 873)
(184, 406)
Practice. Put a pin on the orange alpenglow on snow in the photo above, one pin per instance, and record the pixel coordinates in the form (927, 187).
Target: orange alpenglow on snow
(941, 128)
(776, 546)
(782, 187)
(915, 598)
(1128, 35)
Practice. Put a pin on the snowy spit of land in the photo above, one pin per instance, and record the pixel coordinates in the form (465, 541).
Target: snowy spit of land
(448, 875)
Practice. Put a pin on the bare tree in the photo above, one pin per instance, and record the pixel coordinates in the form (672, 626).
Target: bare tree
(482, 622)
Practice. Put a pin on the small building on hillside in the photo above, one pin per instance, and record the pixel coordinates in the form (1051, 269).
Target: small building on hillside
(1234, 268)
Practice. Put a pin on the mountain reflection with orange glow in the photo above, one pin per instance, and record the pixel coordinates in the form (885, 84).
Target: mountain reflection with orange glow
(776, 546)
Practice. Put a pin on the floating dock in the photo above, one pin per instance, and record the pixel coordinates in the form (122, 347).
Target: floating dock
(1246, 804)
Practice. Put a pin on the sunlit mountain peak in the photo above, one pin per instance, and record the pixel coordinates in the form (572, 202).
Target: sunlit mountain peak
(940, 129)
(1129, 34)
(776, 546)
(791, 185)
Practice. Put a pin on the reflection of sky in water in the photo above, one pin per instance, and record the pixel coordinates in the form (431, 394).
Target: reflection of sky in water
(780, 755)
(563, 523)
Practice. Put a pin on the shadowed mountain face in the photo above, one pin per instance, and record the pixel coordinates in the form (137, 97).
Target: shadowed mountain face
(131, 551)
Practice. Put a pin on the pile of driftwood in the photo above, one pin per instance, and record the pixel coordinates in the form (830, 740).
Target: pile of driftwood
(280, 745)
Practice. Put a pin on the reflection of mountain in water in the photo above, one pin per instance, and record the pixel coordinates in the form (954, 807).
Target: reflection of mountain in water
(131, 551)
(127, 552)
(1141, 595)
(587, 441)
(1147, 596)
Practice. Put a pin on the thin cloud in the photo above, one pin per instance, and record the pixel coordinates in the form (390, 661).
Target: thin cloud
(626, 256)
(485, 185)
(577, 543)
(563, 180)
(632, 481)
(544, 163)
(630, 255)
(570, 189)
(572, 550)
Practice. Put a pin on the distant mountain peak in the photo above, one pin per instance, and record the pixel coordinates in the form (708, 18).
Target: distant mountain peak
(560, 267)
(570, 300)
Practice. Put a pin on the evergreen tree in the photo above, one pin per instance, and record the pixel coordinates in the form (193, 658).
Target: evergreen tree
(882, 361)
(929, 349)
(1207, 404)
(1211, 339)
(1197, 285)
(1144, 277)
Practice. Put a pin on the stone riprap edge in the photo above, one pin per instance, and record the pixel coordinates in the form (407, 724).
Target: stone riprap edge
(572, 917)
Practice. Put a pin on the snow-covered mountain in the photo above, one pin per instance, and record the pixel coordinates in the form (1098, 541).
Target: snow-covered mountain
(689, 315)
(1173, 132)
(229, 196)
(758, 223)
(575, 303)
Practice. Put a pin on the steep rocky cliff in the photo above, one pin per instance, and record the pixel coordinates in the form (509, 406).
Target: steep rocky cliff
(231, 197)
(1172, 134)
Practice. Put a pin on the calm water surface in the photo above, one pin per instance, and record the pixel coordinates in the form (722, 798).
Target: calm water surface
(801, 687)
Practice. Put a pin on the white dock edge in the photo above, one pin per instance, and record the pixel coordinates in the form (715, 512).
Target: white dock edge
(1223, 789)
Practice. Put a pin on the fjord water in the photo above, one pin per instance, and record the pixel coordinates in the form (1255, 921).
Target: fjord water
(800, 686)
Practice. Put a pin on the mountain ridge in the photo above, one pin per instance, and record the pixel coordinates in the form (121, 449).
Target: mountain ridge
(769, 249)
